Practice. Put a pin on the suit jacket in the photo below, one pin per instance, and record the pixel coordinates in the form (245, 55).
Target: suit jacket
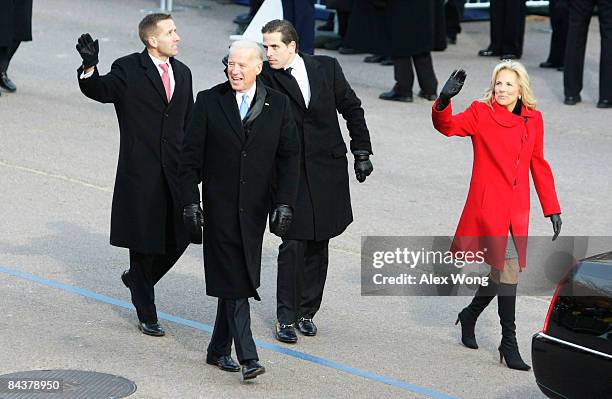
(506, 148)
(240, 164)
(323, 206)
(151, 135)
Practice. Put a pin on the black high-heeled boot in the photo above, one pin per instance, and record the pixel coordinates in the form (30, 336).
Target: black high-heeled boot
(469, 314)
(508, 349)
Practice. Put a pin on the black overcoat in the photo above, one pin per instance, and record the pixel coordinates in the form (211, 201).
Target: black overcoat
(151, 135)
(398, 28)
(323, 206)
(239, 167)
(15, 21)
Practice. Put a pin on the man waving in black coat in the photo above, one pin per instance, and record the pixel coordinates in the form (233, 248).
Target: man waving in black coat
(153, 99)
(317, 90)
(242, 145)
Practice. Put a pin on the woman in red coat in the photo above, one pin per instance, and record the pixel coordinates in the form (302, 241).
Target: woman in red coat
(507, 135)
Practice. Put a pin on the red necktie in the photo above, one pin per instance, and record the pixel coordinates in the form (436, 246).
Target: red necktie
(166, 80)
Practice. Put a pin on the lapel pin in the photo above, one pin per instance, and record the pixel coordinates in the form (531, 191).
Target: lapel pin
(266, 104)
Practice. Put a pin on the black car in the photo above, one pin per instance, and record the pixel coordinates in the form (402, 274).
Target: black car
(572, 355)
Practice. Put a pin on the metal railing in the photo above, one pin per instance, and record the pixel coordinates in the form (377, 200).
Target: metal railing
(486, 3)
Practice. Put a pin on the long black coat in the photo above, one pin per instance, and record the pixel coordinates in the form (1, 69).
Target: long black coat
(239, 166)
(15, 21)
(323, 207)
(151, 136)
(399, 28)
(340, 5)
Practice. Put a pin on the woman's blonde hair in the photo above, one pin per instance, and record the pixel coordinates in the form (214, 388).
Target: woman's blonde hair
(525, 93)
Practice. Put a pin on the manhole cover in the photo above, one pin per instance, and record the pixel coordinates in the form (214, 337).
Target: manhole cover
(64, 384)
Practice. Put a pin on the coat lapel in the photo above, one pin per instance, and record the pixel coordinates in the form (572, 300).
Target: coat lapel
(256, 109)
(153, 74)
(179, 80)
(291, 87)
(230, 108)
(315, 76)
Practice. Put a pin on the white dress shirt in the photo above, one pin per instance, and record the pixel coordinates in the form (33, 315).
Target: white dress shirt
(250, 96)
(298, 71)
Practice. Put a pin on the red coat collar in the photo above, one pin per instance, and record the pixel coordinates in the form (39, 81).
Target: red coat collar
(507, 118)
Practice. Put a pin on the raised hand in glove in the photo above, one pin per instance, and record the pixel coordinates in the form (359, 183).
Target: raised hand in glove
(451, 88)
(88, 49)
(193, 218)
(281, 220)
(556, 222)
(363, 165)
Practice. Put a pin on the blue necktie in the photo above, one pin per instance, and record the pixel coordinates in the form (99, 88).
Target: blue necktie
(244, 106)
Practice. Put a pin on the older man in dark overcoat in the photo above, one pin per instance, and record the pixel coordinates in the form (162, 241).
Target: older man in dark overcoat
(242, 145)
(153, 98)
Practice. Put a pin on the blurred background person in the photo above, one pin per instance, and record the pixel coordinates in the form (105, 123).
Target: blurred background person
(301, 15)
(453, 10)
(411, 37)
(15, 27)
(559, 19)
(507, 29)
(580, 13)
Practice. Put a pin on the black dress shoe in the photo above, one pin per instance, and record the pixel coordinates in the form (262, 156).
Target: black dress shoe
(307, 327)
(392, 95)
(561, 68)
(348, 50)
(286, 333)
(487, 53)
(372, 59)
(333, 44)
(452, 39)
(509, 57)
(430, 97)
(387, 61)
(252, 369)
(604, 104)
(572, 100)
(6, 83)
(548, 64)
(125, 277)
(225, 362)
(152, 329)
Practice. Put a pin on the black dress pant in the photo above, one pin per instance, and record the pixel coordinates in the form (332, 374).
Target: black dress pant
(302, 271)
(6, 54)
(147, 269)
(233, 322)
(507, 26)
(580, 12)
(559, 21)
(454, 14)
(404, 75)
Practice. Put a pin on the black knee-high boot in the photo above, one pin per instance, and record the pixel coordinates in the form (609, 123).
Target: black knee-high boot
(508, 349)
(468, 316)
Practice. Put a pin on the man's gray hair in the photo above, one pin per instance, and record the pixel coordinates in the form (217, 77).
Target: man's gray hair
(259, 52)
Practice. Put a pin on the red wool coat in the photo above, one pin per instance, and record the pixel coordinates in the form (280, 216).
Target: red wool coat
(506, 147)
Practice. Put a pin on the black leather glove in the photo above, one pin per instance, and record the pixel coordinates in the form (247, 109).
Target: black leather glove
(193, 218)
(363, 165)
(88, 49)
(556, 222)
(281, 220)
(451, 88)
